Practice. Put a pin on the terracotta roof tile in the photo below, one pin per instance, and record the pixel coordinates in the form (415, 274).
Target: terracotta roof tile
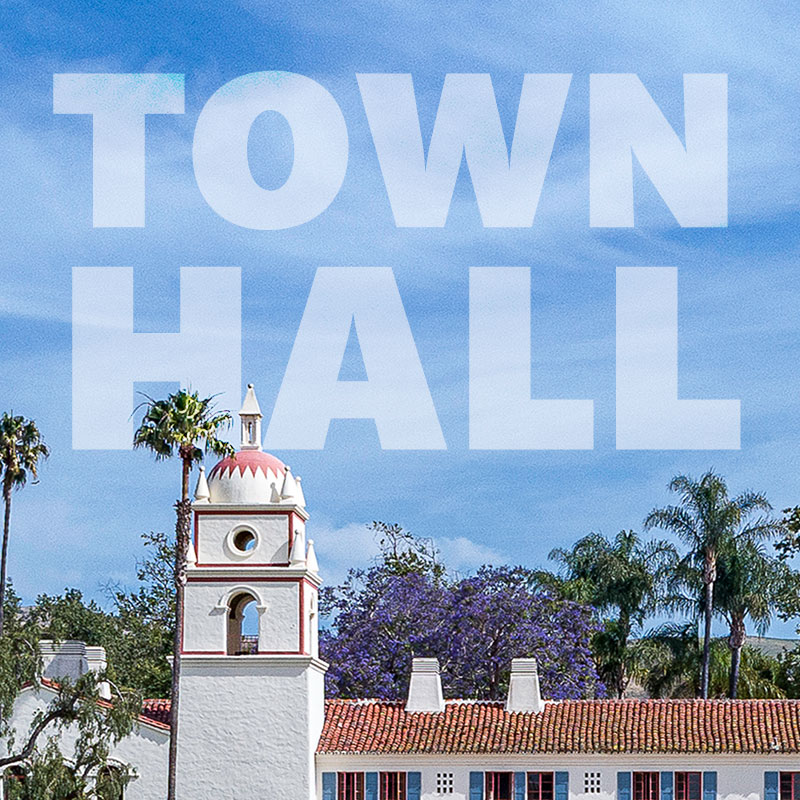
(569, 726)
(157, 710)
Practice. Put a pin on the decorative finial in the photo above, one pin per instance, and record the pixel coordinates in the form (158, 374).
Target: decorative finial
(201, 493)
(312, 565)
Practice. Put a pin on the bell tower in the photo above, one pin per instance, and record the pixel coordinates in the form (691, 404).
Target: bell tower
(252, 699)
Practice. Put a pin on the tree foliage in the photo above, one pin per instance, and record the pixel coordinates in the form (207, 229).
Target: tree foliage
(69, 739)
(405, 606)
(710, 522)
(624, 579)
(21, 450)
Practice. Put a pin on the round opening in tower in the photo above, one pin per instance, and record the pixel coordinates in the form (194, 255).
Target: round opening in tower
(244, 541)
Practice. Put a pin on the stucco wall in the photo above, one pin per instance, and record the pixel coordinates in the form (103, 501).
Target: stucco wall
(205, 625)
(272, 531)
(246, 728)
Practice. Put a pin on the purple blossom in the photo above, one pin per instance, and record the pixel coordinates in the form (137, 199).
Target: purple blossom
(474, 626)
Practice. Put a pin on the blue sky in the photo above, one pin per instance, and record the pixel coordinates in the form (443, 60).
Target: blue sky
(739, 291)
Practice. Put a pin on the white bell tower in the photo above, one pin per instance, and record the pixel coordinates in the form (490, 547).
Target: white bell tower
(252, 702)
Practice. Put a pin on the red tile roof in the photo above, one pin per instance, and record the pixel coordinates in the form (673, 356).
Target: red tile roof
(569, 726)
(157, 711)
(154, 712)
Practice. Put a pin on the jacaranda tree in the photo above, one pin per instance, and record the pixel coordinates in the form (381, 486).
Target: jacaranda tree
(386, 615)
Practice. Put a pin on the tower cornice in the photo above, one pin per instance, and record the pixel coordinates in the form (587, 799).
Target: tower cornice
(259, 508)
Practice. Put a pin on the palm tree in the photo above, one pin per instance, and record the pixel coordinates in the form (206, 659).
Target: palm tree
(175, 426)
(709, 522)
(670, 658)
(21, 448)
(748, 581)
(623, 576)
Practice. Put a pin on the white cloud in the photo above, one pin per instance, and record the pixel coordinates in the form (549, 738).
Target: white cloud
(463, 555)
(340, 548)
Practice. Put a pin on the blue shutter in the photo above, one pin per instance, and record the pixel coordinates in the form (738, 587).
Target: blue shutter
(770, 786)
(371, 786)
(623, 786)
(562, 786)
(666, 786)
(476, 786)
(414, 785)
(328, 786)
(710, 786)
(519, 785)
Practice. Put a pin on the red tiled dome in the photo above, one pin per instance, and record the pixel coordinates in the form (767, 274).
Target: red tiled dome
(253, 460)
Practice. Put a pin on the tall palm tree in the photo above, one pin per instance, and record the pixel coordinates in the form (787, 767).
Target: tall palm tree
(709, 522)
(21, 449)
(621, 576)
(748, 582)
(175, 426)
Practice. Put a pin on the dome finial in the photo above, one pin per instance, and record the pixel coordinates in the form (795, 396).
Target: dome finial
(250, 414)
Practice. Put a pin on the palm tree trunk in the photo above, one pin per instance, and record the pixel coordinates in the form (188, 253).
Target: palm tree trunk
(736, 641)
(709, 612)
(4, 555)
(182, 533)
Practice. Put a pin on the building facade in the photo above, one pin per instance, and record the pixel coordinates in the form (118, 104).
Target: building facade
(254, 722)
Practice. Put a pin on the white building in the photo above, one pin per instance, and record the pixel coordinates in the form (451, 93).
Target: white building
(254, 722)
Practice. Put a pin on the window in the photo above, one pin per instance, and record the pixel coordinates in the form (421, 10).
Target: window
(645, 786)
(500, 786)
(351, 786)
(242, 626)
(244, 540)
(790, 785)
(393, 786)
(444, 783)
(591, 783)
(688, 786)
(540, 786)
(110, 783)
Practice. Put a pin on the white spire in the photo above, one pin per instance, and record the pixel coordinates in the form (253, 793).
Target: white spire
(201, 493)
(289, 488)
(250, 414)
(298, 556)
(312, 565)
(300, 498)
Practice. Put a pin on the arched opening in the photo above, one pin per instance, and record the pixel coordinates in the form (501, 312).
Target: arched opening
(242, 625)
(14, 782)
(110, 783)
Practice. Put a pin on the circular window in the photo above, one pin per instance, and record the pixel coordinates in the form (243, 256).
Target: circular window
(244, 541)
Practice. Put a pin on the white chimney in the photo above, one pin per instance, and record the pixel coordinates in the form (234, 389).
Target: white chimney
(523, 687)
(72, 659)
(97, 662)
(64, 660)
(425, 687)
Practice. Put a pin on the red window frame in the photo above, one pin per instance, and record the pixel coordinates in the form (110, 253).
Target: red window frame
(790, 786)
(541, 786)
(500, 785)
(351, 786)
(393, 786)
(646, 786)
(688, 786)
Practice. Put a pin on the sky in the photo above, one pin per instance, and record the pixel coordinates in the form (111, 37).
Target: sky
(738, 324)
